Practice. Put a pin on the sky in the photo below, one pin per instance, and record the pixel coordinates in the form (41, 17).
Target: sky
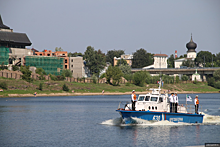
(157, 26)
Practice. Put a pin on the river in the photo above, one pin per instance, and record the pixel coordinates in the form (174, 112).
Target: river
(91, 121)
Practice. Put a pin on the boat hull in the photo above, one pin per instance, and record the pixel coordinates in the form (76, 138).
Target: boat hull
(159, 116)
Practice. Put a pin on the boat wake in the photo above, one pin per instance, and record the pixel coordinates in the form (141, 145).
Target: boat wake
(207, 120)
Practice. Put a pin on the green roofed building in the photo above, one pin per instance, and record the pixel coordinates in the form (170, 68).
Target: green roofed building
(51, 65)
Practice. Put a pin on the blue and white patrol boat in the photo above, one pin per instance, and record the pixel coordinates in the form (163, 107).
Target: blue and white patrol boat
(155, 106)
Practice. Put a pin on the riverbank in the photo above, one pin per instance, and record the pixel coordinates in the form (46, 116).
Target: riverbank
(21, 88)
(85, 94)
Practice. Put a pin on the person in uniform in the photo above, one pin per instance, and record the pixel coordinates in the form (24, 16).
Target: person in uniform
(176, 100)
(133, 99)
(196, 101)
(171, 98)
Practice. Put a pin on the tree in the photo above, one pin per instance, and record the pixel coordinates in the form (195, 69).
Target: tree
(65, 87)
(171, 61)
(204, 58)
(188, 63)
(139, 78)
(122, 62)
(184, 78)
(41, 72)
(67, 73)
(95, 60)
(114, 73)
(75, 54)
(14, 67)
(216, 75)
(58, 49)
(113, 53)
(126, 69)
(141, 59)
(26, 73)
(41, 86)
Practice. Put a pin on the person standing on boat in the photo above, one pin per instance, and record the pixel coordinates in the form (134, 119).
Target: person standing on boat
(176, 99)
(196, 101)
(133, 99)
(171, 98)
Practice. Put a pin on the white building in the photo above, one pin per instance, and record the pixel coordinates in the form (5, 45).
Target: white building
(160, 61)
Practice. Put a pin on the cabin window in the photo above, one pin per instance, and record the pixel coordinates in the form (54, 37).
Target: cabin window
(160, 99)
(147, 98)
(149, 107)
(156, 108)
(141, 98)
(154, 99)
(152, 108)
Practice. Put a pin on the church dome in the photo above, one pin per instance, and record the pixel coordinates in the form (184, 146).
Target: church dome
(191, 46)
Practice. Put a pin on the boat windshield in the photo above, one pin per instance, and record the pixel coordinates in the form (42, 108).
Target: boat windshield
(154, 99)
(160, 99)
(141, 98)
(147, 98)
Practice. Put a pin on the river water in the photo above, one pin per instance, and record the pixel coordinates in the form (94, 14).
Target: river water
(91, 121)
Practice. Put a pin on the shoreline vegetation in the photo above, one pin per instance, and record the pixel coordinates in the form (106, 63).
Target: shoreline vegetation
(21, 88)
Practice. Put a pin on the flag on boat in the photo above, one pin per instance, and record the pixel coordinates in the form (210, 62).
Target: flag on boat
(188, 98)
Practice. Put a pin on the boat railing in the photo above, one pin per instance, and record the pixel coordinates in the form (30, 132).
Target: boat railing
(190, 108)
(125, 105)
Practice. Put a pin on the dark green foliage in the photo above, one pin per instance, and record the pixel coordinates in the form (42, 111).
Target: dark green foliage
(103, 76)
(217, 85)
(188, 63)
(75, 54)
(126, 69)
(184, 78)
(141, 59)
(204, 55)
(128, 77)
(26, 73)
(60, 77)
(114, 73)
(94, 79)
(41, 72)
(95, 60)
(216, 75)
(170, 61)
(41, 86)
(139, 78)
(67, 73)
(113, 53)
(14, 67)
(211, 81)
(53, 77)
(121, 62)
(4, 85)
(177, 79)
(65, 87)
(2, 67)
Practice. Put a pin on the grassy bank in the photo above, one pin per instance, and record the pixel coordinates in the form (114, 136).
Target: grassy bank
(23, 87)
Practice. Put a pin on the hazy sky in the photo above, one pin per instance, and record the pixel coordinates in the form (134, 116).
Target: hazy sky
(155, 25)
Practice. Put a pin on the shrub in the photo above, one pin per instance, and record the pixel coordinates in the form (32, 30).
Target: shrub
(184, 78)
(41, 86)
(52, 77)
(139, 78)
(127, 84)
(60, 77)
(211, 81)
(65, 87)
(102, 76)
(14, 67)
(94, 79)
(4, 85)
(26, 73)
(177, 79)
(195, 81)
(217, 85)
